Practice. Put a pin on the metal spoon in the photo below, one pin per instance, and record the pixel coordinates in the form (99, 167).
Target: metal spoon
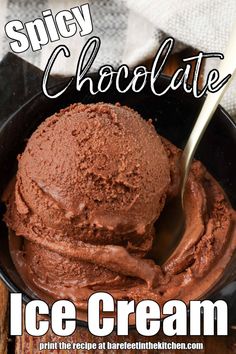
(172, 221)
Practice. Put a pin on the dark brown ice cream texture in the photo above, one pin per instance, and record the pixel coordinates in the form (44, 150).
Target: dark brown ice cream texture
(82, 211)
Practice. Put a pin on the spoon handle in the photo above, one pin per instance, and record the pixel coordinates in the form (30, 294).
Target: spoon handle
(227, 66)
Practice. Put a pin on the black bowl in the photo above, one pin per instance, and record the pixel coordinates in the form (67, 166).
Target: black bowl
(173, 115)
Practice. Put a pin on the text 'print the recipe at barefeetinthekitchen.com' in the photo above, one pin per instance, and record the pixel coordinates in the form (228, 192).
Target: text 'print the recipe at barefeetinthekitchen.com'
(35, 34)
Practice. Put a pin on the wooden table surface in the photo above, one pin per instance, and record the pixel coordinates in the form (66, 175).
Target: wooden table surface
(27, 344)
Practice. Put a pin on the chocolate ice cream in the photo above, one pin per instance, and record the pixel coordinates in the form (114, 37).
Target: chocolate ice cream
(91, 184)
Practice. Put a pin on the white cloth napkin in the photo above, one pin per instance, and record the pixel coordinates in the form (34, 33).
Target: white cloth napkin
(131, 30)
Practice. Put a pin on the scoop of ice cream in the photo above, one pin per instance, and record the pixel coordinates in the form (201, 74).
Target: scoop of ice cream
(91, 168)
